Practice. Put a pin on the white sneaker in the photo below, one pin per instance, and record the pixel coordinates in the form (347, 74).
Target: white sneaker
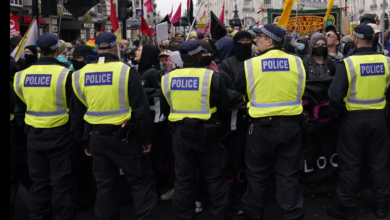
(168, 195)
(199, 207)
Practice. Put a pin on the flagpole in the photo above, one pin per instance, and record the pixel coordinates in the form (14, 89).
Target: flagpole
(296, 17)
(24, 38)
(193, 22)
(383, 27)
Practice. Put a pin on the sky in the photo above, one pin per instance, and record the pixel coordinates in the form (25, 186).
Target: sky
(165, 6)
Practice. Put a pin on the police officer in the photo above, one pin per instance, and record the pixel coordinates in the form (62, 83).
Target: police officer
(43, 94)
(359, 93)
(192, 97)
(111, 99)
(275, 82)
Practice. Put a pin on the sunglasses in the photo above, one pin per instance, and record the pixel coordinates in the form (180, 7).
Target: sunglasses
(329, 35)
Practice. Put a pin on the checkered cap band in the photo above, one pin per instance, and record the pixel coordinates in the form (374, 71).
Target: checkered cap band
(193, 52)
(361, 36)
(270, 34)
(112, 44)
(55, 46)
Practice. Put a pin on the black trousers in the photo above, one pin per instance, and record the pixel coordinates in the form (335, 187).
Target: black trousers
(212, 160)
(276, 144)
(363, 137)
(16, 164)
(109, 154)
(50, 155)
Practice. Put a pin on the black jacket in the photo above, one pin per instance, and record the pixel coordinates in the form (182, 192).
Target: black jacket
(315, 71)
(137, 99)
(21, 107)
(339, 87)
(236, 70)
(150, 78)
(218, 94)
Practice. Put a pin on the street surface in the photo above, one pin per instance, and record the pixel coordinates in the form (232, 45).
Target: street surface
(315, 209)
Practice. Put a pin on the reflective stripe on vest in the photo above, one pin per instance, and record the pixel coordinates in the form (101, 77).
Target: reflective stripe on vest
(204, 93)
(252, 87)
(61, 110)
(122, 98)
(76, 81)
(374, 102)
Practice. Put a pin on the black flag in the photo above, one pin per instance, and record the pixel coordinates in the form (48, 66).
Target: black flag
(217, 29)
(166, 19)
(78, 8)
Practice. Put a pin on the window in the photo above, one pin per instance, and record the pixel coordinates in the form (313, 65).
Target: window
(16, 2)
(267, 2)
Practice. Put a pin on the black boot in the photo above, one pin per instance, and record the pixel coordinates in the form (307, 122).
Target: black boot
(381, 210)
(341, 212)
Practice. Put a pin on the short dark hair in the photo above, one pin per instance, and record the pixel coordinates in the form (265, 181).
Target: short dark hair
(278, 45)
(173, 45)
(46, 51)
(192, 58)
(80, 40)
(177, 34)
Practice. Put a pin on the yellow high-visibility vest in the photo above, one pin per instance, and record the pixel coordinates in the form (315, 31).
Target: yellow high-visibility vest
(103, 88)
(188, 93)
(42, 88)
(275, 84)
(369, 79)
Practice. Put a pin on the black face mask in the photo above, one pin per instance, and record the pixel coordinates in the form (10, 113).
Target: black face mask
(133, 61)
(30, 58)
(78, 64)
(207, 60)
(242, 51)
(319, 51)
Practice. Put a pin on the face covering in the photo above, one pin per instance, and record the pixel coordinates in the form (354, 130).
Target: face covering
(343, 45)
(319, 51)
(163, 66)
(301, 47)
(242, 51)
(30, 58)
(78, 64)
(133, 61)
(207, 60)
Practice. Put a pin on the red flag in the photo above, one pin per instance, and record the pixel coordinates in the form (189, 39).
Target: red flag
(189, 9)
(145, 27)
(170, 15)
(221, 17)
(113, 18)
(177, 15)
(149, 6)
(101, 30)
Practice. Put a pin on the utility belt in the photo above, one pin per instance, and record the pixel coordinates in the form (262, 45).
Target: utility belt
(195, 129)
(126, 131)
(275, 119)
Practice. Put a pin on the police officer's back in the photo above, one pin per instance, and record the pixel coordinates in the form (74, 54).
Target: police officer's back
(358, 93)
(275, 82)
(110, 99)
(192, 97)
(44, 91)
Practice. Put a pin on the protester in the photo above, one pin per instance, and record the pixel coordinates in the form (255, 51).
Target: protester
(82, 55)
(178, 36)
(303, 47)
(333, 40)
(234, 65)
(30, 55)
(132, 61)
(378, 34)
(347, 44)
(63, 56)
(79, 41)
(135, 43)
(225, 49)
(318, 64)
(14, 41)
(174, 45)
(147, 56)
(165, 62)
(122, 47)
(367, 19)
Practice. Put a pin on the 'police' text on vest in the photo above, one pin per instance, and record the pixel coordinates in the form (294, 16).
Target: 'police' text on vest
(98, 79)
(37, 80)
(275, 64)
(372, 69)
(185, 83)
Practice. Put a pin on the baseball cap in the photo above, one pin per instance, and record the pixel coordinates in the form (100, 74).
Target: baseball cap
(190, 48)
(272, 31)
(108, 38)
(48, 41)
(364, 31)
(375, 27)
(64, 45)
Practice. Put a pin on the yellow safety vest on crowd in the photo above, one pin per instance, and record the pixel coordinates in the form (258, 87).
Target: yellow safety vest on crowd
(103, 88)
(275, 84)
(369, 79)
(42, 88)
(188, 93)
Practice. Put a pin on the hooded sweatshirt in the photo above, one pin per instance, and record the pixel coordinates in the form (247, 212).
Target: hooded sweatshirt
(315, 71)
(305, 52)
(30, 59)
(225, 48)
(150, 78)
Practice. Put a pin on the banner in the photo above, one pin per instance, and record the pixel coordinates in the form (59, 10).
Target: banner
(201, 28)
(14, 25)
(308, 20)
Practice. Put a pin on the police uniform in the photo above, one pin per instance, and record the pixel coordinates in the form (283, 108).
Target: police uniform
(192, 97)
(111, 99)
(359, 93)
(275, 82)
(43, 94)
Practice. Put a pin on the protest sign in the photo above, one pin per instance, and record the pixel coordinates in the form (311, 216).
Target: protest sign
(162, 31)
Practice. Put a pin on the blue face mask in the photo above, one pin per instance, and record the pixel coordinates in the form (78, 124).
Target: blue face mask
(301, 46)
(343, 45)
